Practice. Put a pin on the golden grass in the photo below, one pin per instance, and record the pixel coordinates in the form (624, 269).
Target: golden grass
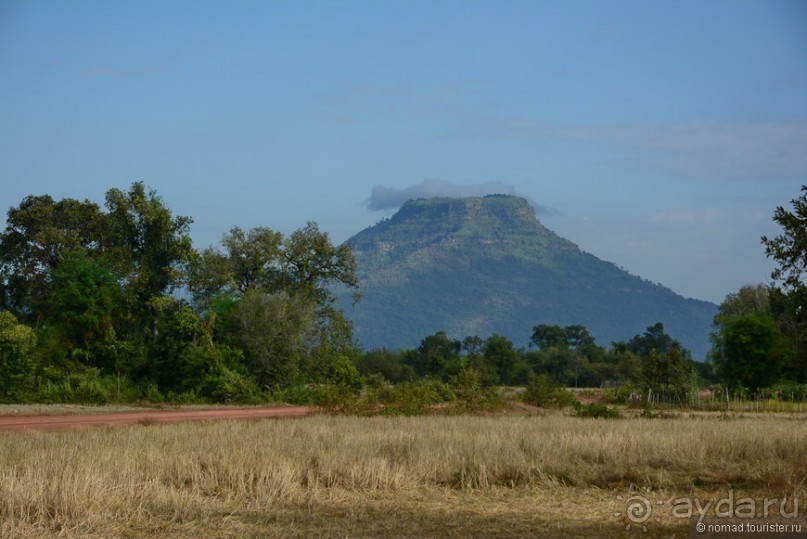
(326, 476)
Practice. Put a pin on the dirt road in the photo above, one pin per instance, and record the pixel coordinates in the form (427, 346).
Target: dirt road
(69, 421)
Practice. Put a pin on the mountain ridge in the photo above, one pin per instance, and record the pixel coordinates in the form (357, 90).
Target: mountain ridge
(483, 265)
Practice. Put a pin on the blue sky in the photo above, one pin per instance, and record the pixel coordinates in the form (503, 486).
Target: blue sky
(657, 135)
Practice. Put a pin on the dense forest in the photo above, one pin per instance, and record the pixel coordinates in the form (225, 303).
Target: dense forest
(114, 304)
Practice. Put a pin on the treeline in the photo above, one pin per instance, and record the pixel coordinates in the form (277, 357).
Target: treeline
(569, 356)
(113, 303)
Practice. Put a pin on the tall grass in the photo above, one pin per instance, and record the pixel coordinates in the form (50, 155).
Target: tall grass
(286, 476)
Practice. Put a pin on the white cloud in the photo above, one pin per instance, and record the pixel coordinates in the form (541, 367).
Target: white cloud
(383, 197)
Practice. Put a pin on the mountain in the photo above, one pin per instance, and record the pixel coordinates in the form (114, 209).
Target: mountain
(484, 265)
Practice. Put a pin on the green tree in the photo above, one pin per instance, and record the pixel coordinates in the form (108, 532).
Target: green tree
(500, 354)
(671, 373)
(749, 351)
(85, 297)
(578, 337)
(250, 261)
(311, 263)
(653, 339)
(260, 266)
(789, 249)
(387, 363)
(473, 345)
(16, 363)
(789, 300)
(147, 246)
(434, 355)
(546, 336)
(544, 391)
(85, 303)
(276, 331)
(38, 233)
(343, 372)
(748, 299)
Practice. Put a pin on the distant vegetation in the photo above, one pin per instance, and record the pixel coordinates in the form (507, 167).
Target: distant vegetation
(114, 304)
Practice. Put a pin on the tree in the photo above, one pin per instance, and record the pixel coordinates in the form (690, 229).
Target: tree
(671, 373)
(789, 249)
(312, 263)
(259, 269)
(576, 337)
(434, 355)
(473, 345)
(137, 240)
(38, 233)
(16, 365)
(386, 363)
(500, 354)
(147, 246)
(749, 351)
(653, 339)
(748, 299)
(276, 332)
(85, 303)
(789, 301)
(546, 336)
(251, 261)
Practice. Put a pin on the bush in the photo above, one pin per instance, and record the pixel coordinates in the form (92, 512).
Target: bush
(414, 398)
(299, 394)
(343, 372)
(471, 396)
(17, 342)
(84, 387)
(595, 411)
(228, 386)
(786, 391)
(334, 397)
(545, 392)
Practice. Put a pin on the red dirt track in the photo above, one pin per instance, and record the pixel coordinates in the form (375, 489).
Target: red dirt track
(71, 421)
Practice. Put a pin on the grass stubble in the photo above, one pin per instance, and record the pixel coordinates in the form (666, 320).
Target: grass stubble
(430, 476)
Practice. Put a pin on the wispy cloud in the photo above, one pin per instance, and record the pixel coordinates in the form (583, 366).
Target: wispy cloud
(366, 102)
(127, 72)
(703, 150)
(383, 198)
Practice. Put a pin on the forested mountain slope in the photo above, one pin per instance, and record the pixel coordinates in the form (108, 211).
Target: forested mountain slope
(477, 266)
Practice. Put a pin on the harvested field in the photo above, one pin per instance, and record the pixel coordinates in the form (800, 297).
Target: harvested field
(434, 476)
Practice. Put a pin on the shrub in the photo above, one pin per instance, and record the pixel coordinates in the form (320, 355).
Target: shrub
(17, 341)
(595, 411)
(471, 396)
(333, 397)
(298, 394)
(343, 372)
(545, 392)
(228, 386)
(414, 398)
(621, 394)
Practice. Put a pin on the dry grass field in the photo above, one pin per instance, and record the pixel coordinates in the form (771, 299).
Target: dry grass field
(432, 476)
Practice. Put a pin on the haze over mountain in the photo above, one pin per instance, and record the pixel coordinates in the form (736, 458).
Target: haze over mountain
(484, 265)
